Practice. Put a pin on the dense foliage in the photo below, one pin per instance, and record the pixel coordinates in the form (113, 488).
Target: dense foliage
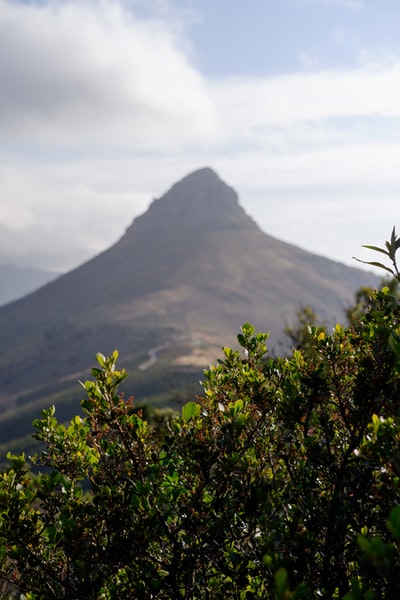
(282, 481)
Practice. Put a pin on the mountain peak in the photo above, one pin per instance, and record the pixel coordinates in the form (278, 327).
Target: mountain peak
(202, 187)
(201, 175)
(199, 201)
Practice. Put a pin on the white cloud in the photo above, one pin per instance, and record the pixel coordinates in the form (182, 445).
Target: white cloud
(253, 104)
(94, 73)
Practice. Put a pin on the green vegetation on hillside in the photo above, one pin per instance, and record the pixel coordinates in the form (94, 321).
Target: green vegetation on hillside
(281, 481)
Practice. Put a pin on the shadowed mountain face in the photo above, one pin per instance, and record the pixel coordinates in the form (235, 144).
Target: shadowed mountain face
(184, 277)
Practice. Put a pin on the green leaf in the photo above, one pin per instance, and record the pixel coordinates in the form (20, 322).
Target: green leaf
(238, 406)
(394, 342)
(50, 533)
(248, 329)
(393, 240)
(189, 410)
(376, 249)
(374, 264)
(241, 339)
(394, 523)
(101, 359)
(96, 372)
(281, 581)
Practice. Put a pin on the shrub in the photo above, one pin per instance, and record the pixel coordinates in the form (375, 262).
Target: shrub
(281, 481)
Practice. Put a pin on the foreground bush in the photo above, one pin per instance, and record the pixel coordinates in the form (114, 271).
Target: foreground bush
(281, 482)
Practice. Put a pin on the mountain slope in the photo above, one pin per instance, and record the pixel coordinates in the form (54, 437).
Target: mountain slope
(184, 277)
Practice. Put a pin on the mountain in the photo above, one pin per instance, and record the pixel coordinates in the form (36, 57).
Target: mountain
(176, 287)
(16, 282)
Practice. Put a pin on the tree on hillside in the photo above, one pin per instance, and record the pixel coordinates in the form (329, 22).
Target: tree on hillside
(282, 481)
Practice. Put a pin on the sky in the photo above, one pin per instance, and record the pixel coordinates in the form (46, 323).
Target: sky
(105, 104)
